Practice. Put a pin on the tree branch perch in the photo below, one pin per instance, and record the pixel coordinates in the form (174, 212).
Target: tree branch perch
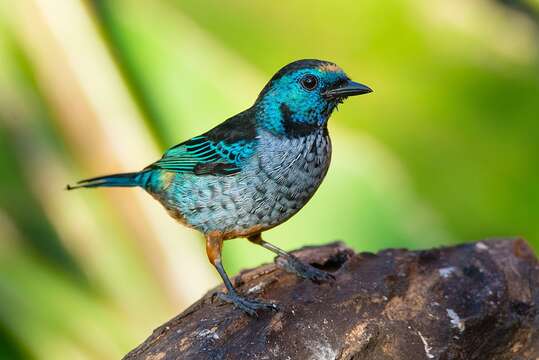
(473, 301)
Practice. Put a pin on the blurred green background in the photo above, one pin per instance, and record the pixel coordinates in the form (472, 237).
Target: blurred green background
(446, 150)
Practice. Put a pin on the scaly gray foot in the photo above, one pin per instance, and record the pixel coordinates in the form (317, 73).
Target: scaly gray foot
(248, 306)
(293, 264)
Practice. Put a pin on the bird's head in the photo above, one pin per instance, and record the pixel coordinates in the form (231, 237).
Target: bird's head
(302, 95)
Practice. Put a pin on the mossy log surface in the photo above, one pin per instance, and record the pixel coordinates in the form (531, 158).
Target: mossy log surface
(472, 301)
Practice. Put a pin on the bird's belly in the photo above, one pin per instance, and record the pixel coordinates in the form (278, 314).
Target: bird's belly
(274, 185)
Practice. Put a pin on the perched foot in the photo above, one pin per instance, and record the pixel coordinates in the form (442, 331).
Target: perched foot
(306, 271)
(248, 306)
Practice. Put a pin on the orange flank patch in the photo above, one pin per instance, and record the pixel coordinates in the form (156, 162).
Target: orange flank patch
(227, 235)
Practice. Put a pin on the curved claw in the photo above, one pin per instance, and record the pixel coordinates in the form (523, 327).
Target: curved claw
(306, 271)
(248, 306)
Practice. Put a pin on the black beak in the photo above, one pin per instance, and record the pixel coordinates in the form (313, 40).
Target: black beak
(350, 88)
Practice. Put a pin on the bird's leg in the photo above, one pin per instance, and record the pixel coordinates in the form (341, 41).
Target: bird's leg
(292, 263)
(214, 244)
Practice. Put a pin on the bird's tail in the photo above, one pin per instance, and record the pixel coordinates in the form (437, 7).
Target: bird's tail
(115, 180)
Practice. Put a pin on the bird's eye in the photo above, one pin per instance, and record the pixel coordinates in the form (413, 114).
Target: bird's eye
(309, 82)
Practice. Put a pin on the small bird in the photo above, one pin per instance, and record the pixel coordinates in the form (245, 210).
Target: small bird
(253, 171)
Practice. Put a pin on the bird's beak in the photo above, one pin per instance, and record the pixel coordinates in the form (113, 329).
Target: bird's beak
(350, 88)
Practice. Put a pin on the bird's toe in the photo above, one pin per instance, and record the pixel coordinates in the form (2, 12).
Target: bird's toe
(248, 306)
(303, 270)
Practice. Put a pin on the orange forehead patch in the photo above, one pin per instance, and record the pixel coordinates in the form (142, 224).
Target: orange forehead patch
(330, 67)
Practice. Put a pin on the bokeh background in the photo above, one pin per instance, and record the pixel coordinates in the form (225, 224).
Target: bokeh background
(446, 150)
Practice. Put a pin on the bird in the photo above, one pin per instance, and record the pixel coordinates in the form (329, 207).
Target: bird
(253, 171)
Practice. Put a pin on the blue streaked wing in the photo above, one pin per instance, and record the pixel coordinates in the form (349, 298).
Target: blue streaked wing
(202, 156)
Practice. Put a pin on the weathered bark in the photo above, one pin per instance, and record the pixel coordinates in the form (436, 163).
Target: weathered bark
(473, 301)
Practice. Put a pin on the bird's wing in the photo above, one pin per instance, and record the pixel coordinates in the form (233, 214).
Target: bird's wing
(204, 156)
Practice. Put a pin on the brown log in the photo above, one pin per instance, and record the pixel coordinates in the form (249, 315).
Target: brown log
(472, 301)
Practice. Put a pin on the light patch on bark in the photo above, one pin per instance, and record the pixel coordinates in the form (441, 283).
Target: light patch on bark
(426, 345)
(356, 339)
(446, 271)
(158, 356)
(209, 333)
(456, 321)
(481, 246)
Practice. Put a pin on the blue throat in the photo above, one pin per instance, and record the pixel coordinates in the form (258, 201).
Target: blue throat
(288, 118)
